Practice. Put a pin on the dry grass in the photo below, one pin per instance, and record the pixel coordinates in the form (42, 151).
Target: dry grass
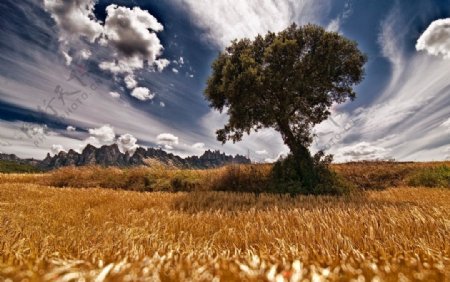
(235, 178)
(96, 234)
(244, 178)
(380, 175)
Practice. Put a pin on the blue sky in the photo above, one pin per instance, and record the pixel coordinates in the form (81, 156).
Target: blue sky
(133, 73)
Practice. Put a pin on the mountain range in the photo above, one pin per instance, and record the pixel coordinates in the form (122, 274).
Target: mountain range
(110, 155)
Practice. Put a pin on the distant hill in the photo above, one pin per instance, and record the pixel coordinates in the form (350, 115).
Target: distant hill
(10, 163)
(110, 155)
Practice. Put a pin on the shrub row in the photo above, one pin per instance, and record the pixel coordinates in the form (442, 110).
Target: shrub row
(256, 178)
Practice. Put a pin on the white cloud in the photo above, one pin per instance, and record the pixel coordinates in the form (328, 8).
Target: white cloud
(130, 81)
(334, 25)
(446, 123)
(199, 146)
(132, 33)
(390, 42)
(161, 64)
(142, 93)
(67, 57)
(55, 149)
(225, 20)
(410, 110)
(85, 54)
(162, 104)
(261, 152)
(71, 128)
(447, 154)
(167, 139)
(174, 70)
(181, 61)
(362, 151)
(273, 160)
(168, 147)
(127, 143)
(75, 18)
(104, 134)
(436, 39)
(124, 65)
(114, 94)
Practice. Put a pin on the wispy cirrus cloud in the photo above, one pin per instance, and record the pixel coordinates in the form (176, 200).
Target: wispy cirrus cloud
(406, 117)
(225, 20)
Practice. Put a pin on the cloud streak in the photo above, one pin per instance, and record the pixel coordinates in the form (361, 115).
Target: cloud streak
(225, 20)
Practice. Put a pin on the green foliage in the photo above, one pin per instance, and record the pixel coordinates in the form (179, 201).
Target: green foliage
(285, 81)
(287, 179)
(431, 177)
(15, 167)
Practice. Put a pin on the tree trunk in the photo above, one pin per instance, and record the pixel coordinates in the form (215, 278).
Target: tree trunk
(302, 157)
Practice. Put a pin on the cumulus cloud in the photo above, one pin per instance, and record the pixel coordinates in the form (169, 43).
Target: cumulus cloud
(161, 64)
(71, 128)
(74, 18)
(167, 139)
(85, 54)
(114, 94)
(104, 134)
(130, 81)
(362, 151)
(162, 104)
(261, 152)
(436, 39)
(225, 20)
(121, 66)
(132, 33)
(55, 149)
(127, 143)
(142, 93)
(174, 70)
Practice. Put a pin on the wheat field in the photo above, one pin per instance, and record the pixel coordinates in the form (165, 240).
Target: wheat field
(95, 234)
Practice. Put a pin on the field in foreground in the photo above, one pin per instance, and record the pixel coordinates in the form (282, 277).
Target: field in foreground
(71, 234)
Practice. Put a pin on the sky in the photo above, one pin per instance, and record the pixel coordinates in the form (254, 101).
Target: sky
(80, 72)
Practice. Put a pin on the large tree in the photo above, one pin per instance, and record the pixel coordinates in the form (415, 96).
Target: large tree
(286, 81)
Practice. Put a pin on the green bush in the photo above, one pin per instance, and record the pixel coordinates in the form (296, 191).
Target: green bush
(286, 179)
(431, 177)
(15, 167)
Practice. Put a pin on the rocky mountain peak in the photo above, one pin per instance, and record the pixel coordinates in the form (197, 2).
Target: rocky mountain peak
(110, 155)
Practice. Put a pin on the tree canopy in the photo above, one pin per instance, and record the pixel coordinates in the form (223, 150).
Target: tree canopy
(286, 81)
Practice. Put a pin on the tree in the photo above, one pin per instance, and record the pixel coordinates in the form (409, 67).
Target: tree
(286, 81)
